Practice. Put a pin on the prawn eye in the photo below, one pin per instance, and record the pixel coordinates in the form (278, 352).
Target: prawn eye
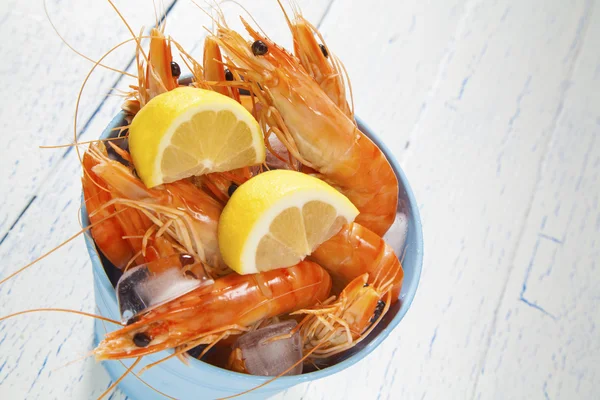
(232, 189)
(140, 339)
(324, 50)
(175, 70)
(186, 259)
(260, 48)
(378, 310)
(228, 75)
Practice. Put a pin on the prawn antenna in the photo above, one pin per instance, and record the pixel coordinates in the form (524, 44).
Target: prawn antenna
(58, 146)
(87, 228)
(139, 378)
(114, 385)
(63, 310)
(77, 51)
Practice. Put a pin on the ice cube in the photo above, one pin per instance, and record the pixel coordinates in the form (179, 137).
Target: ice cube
(396, 235)
(264, 353)
(149, 285)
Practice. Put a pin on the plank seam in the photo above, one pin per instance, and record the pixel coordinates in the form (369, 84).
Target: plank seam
(18, 218)
(325, 14)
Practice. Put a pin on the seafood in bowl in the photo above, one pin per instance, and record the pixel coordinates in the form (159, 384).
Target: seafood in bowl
(242, 216)
(210, 374)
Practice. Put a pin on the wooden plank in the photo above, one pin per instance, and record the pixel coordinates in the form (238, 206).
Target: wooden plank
(473, 162)
(42, 345)
(545, 340)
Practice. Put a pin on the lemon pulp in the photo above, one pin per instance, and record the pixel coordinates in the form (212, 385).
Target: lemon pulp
(277, 218)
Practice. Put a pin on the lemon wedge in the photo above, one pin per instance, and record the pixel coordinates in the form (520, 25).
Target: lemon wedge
(277, 218)
(189, 131)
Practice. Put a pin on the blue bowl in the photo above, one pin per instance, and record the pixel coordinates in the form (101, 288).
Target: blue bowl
(200, 380)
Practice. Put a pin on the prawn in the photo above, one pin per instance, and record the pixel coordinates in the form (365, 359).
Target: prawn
(157, 72)
(184, 214)
(368, 270)
(106, 230)
(214, 70)
(338, 325)
(230, 306)
(313, 127)
(319, 62)
(356, 250)
(328, 141)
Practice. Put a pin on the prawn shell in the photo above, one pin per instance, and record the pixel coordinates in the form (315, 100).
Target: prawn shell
(240, 300)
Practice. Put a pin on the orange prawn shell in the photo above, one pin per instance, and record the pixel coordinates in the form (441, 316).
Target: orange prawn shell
(321, 67)
(356, 250)
(362, 300)
(158, 73)
(116, 182)
(325, 137)
(108, 233)
(233, 300)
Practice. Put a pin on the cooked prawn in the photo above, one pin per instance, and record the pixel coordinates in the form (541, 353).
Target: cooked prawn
(318, 61)
(214, 70)
(230, 306)
(355, 250)
(106, 230)
(314, 129)
(155, 71)
(175, 217)
(368, 270)
(338, 325)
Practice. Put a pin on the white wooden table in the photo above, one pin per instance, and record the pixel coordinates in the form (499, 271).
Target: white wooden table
(491, 107)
